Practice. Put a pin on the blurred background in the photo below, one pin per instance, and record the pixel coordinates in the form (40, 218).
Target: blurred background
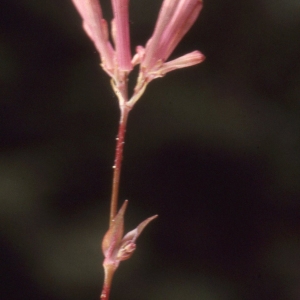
(213, 149)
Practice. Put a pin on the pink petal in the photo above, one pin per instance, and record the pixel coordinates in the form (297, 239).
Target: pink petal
(184, 61)
(184, 17)
(122, 39)
(165, 15)
(96, 28)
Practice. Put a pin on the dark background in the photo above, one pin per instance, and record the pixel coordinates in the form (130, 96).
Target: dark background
(213, 149)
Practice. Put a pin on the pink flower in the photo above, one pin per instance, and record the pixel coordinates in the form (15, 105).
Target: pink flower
(175, 19)
(96, 28)
(114, 62)
(121, 34)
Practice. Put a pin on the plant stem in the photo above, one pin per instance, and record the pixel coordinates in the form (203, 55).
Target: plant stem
(109, 272)
(118, 162)
(109, 269)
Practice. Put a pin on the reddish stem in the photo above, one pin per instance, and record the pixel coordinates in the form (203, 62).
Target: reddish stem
(110, 268)
(109, 272)
(118, 162)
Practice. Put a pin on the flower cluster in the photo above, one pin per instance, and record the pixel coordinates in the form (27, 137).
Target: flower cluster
(175, 18)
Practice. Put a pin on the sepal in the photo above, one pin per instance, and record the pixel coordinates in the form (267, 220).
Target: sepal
(114, 247)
